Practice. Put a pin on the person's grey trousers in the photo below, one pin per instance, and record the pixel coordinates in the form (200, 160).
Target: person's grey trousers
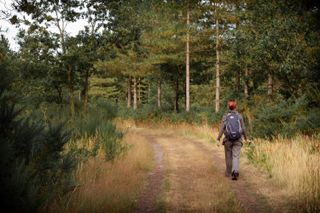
(232, 155)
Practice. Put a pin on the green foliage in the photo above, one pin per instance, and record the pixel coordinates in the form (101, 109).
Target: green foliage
(97, 115)
(96, 124)
(39, 145)
(109, 138)
(286, 118)
(260, 160)
(34, 168)
(258, 38)
(154, 115)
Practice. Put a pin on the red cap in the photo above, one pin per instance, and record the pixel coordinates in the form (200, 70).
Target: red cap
(232, 104)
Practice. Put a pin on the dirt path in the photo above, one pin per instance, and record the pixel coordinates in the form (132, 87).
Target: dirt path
(148, 199)
(194, 171)
(248, 197)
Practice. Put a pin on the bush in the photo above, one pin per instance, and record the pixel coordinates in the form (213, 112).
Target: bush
(40, 148)
(286, 118)
(154, 115)
(109, 139)
(34, 168)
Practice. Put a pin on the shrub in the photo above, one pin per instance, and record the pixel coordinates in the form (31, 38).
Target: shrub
(34, 168)
(109, 139)
(155, 115)
(41, 148)
(285, 118)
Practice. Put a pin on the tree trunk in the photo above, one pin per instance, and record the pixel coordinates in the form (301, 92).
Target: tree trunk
(176, 106)
(188, 66)
(217, 107)
(135, 106)
(85, 91)
(61, 29)
(159, 94)
(129, 92)
(70, 86)
(270, 85)
(238, 79)
(139, 91)
(59, 91)
(246, 82)
(149, 91)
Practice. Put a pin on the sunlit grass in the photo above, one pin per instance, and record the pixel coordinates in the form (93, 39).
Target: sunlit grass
(293, 164)
(203, 131)
(106, 186)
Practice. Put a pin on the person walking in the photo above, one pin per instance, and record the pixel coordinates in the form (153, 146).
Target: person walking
(233, 128)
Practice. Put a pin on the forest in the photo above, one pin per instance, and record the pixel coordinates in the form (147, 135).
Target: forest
(65, 99)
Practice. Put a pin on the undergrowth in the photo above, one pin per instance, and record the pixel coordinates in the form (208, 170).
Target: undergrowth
(41, 149)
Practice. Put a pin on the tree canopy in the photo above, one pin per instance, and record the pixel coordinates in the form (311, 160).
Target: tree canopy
(165, 51)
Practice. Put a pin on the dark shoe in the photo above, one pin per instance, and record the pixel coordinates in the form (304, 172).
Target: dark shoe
(235, 175)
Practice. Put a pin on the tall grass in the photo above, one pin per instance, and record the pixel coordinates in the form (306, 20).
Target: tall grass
(187, 129)
(109, 186)
(94, 127)
(293, 164)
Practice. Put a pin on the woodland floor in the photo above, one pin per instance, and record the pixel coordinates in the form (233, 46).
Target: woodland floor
(188, 176)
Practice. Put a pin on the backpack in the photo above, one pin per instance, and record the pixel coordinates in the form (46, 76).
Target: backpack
(233, 127)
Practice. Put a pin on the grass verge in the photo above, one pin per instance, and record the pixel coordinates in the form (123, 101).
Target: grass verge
(106, 186)
(293, 164)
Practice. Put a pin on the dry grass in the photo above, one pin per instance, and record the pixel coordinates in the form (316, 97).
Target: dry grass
(293, 164)
(203, 131)
(110, 187)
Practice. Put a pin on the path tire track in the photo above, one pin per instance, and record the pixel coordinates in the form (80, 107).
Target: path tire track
(249, 200)
(181, 174)
(147, 202)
